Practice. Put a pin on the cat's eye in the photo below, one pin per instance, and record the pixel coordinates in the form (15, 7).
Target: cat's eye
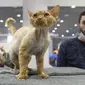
(35, 15)
(46, 14)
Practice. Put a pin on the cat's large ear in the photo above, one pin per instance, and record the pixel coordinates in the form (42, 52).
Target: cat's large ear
(55, 11)
(30, 13)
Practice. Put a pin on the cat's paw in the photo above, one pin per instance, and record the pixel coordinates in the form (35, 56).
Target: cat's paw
(43, 75)
(21, 76)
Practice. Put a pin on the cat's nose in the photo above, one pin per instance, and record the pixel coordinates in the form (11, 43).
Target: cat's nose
(39, 18)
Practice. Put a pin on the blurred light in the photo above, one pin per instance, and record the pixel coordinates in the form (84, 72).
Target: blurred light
(66, 15)
(75, 25)
(18, 15)
(53, 31)
(55, 28)
(21, 21)
(1, 21)
(54, 34)
(58, 25)
(67, 31)
(62, 35)
(5, 25)
(61, 21)
(72, 34)
(73, 6)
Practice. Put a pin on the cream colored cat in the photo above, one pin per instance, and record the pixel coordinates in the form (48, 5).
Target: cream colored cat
(28, 41)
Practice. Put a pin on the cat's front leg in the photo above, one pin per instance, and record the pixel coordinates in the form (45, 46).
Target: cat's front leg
(40, 68)
(40, 61)
(23, 63)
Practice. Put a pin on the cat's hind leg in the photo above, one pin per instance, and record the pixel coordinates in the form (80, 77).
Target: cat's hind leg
(14, 60)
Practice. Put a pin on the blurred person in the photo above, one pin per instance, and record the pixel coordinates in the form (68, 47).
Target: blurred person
(53, 57)
(72, 51)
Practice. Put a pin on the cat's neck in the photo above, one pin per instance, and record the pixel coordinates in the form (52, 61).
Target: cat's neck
(41, 32)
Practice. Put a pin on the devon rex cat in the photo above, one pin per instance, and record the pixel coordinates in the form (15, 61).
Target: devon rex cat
(28, 41)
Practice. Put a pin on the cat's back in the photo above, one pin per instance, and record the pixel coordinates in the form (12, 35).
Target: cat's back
(23, 31)
(18, 36)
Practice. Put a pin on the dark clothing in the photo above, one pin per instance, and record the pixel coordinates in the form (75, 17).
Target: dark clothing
(71, 54)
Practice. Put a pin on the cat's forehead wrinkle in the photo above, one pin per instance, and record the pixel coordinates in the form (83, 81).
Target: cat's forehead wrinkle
(41, 12)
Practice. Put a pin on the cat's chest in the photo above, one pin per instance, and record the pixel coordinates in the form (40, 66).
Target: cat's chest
(38, 46)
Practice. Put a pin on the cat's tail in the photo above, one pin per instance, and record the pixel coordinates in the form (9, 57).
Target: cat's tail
(10, 26)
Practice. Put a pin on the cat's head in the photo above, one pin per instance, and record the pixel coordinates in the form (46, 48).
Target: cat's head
(43, 19)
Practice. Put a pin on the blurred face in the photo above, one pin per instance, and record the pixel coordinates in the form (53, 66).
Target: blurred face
(82, 25)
